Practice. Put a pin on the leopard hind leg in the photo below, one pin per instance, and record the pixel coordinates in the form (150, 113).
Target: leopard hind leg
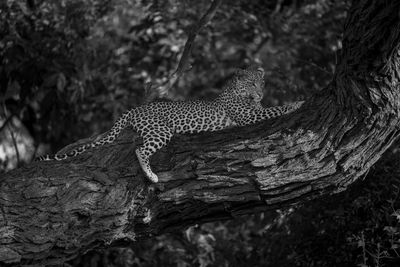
(154, 138)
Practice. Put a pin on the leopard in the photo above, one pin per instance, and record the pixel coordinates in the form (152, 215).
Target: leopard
(239, 104)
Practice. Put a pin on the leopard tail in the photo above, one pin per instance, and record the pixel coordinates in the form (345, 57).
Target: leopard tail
(123, 122)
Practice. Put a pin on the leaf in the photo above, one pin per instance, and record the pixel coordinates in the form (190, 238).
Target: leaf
(50, 81)
(13, 90)
(23, 8)
(391, 230)
(61, 82)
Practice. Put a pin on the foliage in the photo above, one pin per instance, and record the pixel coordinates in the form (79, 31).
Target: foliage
(88, 61)
(82, 63)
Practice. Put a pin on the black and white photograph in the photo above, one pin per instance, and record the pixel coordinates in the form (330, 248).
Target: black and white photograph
(205, 133)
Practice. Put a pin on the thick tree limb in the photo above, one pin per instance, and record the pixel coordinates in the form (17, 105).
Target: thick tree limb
(51, 211)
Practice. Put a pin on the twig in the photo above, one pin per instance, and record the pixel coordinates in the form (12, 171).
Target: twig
(15, 145)
(313, 64)
(7, 123)
(261, 45)
(183, 64)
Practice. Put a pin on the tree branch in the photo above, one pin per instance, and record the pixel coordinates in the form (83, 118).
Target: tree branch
(52, 211)
(5, 123)
(183, 65)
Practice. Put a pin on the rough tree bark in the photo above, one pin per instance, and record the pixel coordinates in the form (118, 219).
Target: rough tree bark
(51, 211)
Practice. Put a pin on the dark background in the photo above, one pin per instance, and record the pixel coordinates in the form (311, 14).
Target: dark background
(70, 68)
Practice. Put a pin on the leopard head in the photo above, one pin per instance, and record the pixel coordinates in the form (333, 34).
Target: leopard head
(246, 85)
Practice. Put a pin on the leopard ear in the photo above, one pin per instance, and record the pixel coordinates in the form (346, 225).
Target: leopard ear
(256, 68)
(260, 70)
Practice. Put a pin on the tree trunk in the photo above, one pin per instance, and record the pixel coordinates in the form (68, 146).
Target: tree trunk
(52, 211)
